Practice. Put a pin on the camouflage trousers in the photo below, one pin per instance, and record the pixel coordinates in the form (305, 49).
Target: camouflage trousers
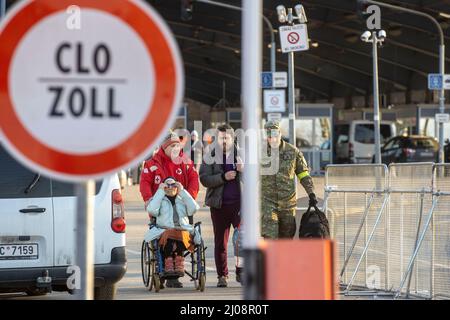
(276, 223)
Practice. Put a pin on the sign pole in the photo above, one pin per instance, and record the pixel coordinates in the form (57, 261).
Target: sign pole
(376, 104)
(251, 69)
(273, 55)
(291, 93)
(441, 102)
(85, 239)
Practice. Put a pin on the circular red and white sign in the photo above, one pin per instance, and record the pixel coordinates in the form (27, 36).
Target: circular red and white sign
(293, 37)
(87, 87)
(274, 101)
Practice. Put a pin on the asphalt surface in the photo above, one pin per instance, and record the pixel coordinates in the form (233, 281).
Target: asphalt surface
(131, 287)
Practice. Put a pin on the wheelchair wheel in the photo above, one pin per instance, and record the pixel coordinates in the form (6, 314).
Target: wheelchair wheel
(156, 280)
(201, 272)
(146, 264)
(202, 282)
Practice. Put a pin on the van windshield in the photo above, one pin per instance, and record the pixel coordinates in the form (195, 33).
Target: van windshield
(16, 179)
(364, 133)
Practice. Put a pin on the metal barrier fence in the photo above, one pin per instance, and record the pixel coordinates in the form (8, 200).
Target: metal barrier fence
(391, 227)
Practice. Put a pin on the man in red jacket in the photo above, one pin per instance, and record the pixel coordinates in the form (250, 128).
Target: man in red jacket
(169, 161)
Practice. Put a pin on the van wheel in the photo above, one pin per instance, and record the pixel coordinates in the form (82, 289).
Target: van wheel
(35, 292)
(107, 292)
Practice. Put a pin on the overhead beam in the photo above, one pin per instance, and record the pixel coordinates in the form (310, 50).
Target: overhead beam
(349, 49)
(343, 82)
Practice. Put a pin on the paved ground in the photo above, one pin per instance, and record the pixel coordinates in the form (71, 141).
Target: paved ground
(131, 286)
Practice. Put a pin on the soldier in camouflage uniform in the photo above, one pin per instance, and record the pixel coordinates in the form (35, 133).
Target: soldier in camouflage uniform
(278, 188)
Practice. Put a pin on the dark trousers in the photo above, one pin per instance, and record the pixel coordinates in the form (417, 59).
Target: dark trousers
(173, 246)
(223, 219)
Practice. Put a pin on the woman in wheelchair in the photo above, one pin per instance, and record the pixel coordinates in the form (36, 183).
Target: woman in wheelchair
(171, 207)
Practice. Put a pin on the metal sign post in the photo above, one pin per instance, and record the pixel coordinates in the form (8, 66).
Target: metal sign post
(376, 103)
(441, 102)
(85, 249)
(291, 98)
(251, 69)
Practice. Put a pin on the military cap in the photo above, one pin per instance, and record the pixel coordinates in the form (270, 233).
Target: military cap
(272, 125)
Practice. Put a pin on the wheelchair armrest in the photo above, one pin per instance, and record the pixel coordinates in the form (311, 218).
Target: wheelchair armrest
(152, 222)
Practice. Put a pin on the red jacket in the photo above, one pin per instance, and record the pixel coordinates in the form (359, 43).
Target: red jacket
(160, 166)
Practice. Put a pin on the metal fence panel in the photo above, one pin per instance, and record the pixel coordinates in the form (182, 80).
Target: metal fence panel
(440, 234)
(354, 199)
(411, 177)
(410, 186)
(354, 207)
(356, 178)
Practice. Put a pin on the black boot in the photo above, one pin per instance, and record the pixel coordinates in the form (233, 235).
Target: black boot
(239, 271)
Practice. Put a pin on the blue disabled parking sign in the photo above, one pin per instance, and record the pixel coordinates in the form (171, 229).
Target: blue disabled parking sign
(266, 80)
(435, 81)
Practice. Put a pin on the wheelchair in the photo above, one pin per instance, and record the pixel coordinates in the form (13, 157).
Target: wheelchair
(152, 264)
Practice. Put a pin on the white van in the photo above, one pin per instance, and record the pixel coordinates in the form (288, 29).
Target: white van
(37, 232)
(355, 141)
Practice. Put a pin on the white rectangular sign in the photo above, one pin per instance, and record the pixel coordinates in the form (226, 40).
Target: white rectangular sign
(446, 82)
(274, 101)
(274, 117)
(280, 79)
(294, 38)
(442, 117)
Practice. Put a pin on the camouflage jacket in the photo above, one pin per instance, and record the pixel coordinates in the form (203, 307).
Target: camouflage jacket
(278, 181)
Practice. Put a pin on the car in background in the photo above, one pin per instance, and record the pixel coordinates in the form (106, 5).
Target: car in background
(413, 148)
(37, 232)
(447, 151)
(355, 141)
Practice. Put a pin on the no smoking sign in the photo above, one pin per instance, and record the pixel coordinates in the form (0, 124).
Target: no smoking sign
(294, 38)
(79, 103)
(274, 101)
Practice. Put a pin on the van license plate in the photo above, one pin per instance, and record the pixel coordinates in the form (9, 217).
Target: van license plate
(19, 251)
